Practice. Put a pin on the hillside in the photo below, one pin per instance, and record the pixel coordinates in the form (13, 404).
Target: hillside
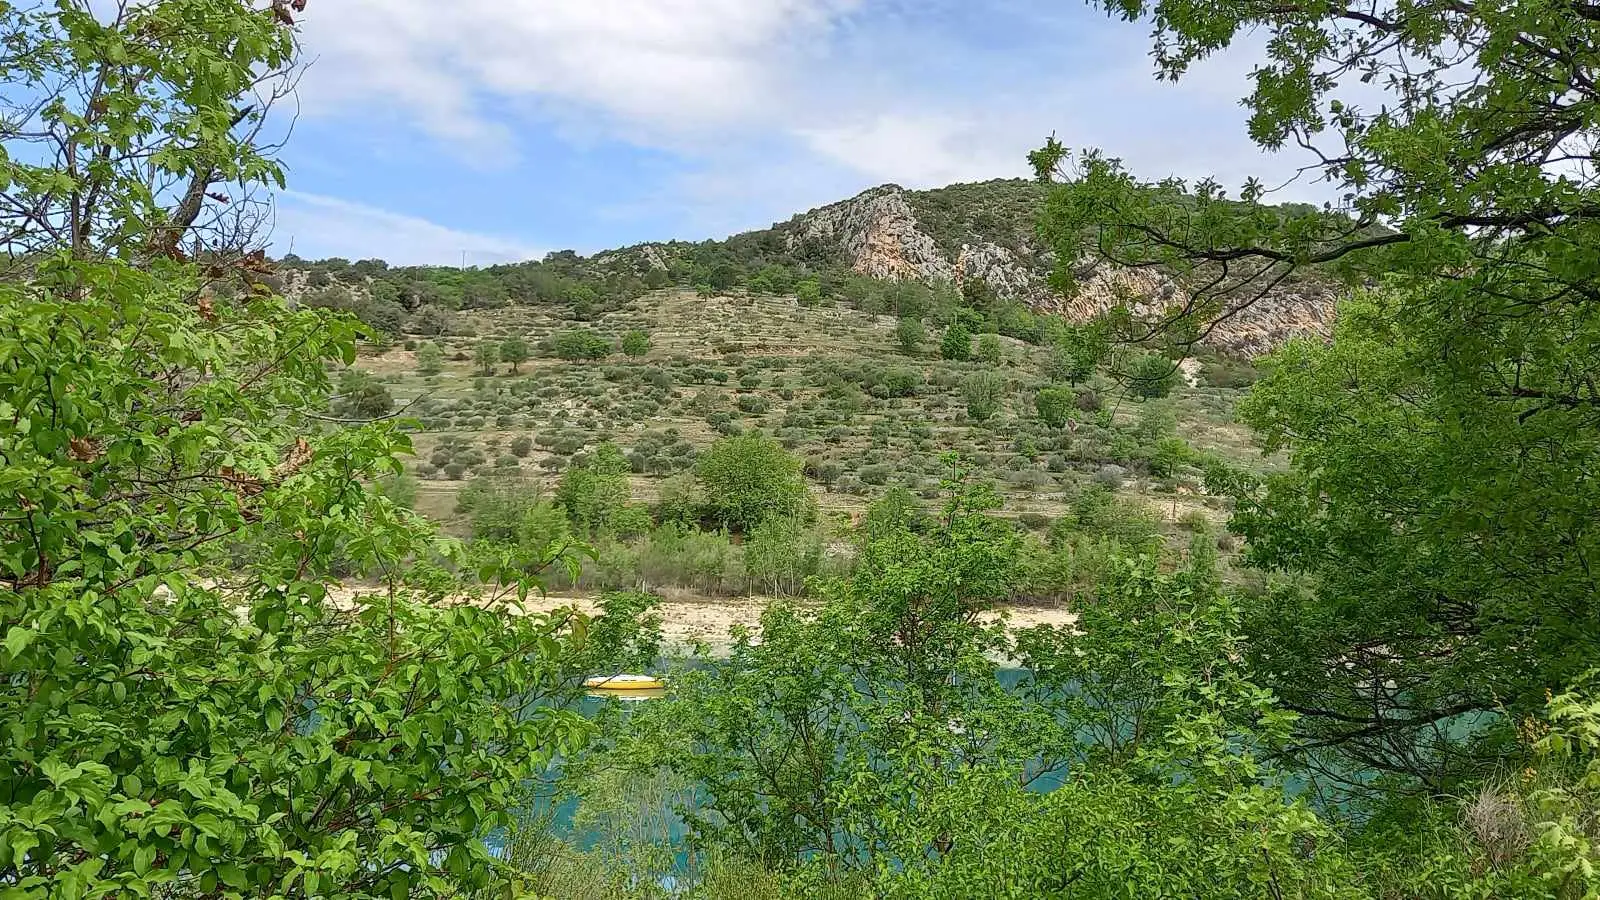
(824, 332)
(833, 385)
(974, 243)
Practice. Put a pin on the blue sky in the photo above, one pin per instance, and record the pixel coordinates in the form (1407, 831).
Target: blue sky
(508, 128)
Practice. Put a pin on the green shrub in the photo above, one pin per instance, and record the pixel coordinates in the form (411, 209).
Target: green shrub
(1055, 405)
(678, 500)
(808, 292)
(1228, 372)
(747, 479)
(636, 343)
(485, 355)
(909, 335)
(579, 344)
(658, 379)
(957, 343)
(990, 349)
(430, 359)
(1034, 521)
(594, 487)
(875, 474)
(361, 396)
(1153, 376)
(984, 392)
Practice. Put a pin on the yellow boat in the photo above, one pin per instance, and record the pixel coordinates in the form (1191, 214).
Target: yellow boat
(624, 683)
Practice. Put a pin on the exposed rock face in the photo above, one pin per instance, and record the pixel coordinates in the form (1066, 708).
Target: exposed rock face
(880, 237)
(1000, 268)
(643, 257)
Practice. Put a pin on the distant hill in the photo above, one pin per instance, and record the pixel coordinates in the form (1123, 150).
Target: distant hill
(975, 241)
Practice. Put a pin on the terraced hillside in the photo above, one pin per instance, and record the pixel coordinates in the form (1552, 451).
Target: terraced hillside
(833, 384)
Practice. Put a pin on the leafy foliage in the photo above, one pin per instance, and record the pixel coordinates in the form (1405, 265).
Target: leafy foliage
(595, 489)
(191, 704)
(636, 343)
(909, 335)
(514, 350)
(1153, 376)
(984, 391)
(580, 344)
(1426, 489)
(749, 479)
(486, 354)
(362, 396)
(1056, 405)
(989, 350)
(956, 343)
(872, 737)
(430, 359)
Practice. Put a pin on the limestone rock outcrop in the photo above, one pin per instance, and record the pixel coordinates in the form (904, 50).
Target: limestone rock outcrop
(878, 234)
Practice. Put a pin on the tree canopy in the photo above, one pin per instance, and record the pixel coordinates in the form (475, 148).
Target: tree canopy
(1440, 446)
(190, 704)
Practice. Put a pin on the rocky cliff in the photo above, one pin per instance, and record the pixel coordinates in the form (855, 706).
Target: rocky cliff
(879, 233)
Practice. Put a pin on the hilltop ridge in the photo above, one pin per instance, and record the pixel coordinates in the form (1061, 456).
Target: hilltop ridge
(978, 238)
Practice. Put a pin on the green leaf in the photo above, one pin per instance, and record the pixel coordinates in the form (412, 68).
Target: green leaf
(17, 640)
(142, 859)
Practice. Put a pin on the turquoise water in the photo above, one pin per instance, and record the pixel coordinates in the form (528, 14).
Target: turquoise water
(559, 812)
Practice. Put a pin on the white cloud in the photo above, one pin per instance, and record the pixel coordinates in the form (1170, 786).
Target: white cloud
(338, 227)
(664, 66)
(927, 149)
(763, 106)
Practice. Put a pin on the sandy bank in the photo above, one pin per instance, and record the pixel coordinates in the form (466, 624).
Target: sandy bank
(687, 621)
(691, 620)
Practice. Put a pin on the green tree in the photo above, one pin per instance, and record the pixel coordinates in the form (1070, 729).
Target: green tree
(1152, 376)
(430, 359)
(781, 554)
(1074, 354)
(984, 392)
(909, 335)
(723, 276)
(583, 298)
(188, 708)
(923, 788)
(636, 343)
(957, 343)
(595, 488)
(514, 350)
(361, 396)
(1460, 198)
(1055, 405)
(486, 354)
(772, 279)
(580, 344)
(749, 478)
(808, 292)
(989, 349)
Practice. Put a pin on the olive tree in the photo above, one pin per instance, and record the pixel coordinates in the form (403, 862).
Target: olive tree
(514, 350)
(983, 392)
